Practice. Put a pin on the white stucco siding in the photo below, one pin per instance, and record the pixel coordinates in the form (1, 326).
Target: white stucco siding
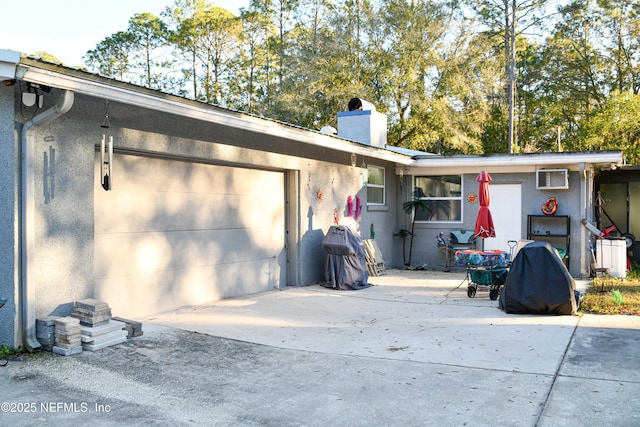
(173, 233)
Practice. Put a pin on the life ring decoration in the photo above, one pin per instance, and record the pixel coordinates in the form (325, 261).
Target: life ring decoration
(550, 207)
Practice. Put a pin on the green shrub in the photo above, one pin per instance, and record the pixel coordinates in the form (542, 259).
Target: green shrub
(6, 351)
(617, 297)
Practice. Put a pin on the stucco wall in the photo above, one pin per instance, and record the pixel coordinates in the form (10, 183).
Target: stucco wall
(63, 250)
(384, 217)
(568, 204)
(9, 173)
(427, 254)
(64, 174)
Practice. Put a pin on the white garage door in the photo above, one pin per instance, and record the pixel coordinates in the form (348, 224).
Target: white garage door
(173, 233)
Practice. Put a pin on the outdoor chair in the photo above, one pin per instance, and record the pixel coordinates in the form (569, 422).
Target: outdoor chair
(459, 240)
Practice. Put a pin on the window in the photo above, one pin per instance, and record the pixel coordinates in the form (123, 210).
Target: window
(375, 185)
(443, 195)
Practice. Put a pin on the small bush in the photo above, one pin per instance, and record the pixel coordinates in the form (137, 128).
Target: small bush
(616, 296)
(6, 351)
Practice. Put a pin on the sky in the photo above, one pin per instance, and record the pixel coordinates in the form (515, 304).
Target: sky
(67, 29)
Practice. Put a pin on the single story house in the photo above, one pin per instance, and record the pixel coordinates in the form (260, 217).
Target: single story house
(153, 202)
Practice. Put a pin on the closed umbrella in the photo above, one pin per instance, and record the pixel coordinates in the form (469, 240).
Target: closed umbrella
(484, 221)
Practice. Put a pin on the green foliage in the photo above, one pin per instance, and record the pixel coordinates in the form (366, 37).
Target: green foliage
(438, 69)
(46, 56)
(112, 56)
(147, 33)
(616, 296)
(6, 351)
(634, 271)
(205, 39)
(615, 126)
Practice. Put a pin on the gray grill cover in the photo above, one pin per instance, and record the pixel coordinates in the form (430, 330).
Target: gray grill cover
(346, 265)
(538, 283)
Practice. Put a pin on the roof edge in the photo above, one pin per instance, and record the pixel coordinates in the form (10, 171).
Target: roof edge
(613, 159)
(39, 72)
(9, 59)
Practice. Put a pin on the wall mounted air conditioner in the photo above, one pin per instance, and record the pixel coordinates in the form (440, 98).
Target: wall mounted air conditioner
(552, 179)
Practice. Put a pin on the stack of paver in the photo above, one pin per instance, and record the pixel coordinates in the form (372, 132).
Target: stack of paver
(92, 312)
(67, 336)
(97, 327)
(46, 332)
(134, 328)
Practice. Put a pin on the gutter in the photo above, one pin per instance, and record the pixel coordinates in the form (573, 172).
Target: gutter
(609, 158)
(584, 191)
(27, 189)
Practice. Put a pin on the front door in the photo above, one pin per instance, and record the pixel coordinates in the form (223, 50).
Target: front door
(506, 210)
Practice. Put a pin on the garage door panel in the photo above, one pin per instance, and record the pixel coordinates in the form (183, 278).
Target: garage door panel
(144, 174)
(131, 253)
(148, 293)
(173, 233)
(154, 211)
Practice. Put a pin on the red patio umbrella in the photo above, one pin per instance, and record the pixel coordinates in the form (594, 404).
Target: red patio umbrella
(484, 221)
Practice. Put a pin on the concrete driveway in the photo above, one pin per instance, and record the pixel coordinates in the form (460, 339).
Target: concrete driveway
(413, 350)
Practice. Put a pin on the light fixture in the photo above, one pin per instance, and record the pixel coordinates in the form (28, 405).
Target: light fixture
(401, 173)
(29, 99)
(34, 95)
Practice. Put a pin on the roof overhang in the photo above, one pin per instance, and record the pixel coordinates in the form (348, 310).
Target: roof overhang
(504, 163)
(56, 76)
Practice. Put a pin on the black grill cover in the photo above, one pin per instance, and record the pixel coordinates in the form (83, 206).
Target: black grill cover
(538, 283)
(346, 265)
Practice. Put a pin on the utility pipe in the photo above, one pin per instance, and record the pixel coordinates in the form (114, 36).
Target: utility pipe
(584, 216)
(27, 190)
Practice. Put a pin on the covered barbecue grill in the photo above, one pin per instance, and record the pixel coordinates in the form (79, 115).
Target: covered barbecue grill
(346, 265)
(538, 283)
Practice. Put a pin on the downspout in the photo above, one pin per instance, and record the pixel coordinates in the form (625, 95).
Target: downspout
(584, 208)
(27, 189)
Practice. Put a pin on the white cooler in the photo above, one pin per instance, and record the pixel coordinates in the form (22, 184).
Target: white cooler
(612, 254)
